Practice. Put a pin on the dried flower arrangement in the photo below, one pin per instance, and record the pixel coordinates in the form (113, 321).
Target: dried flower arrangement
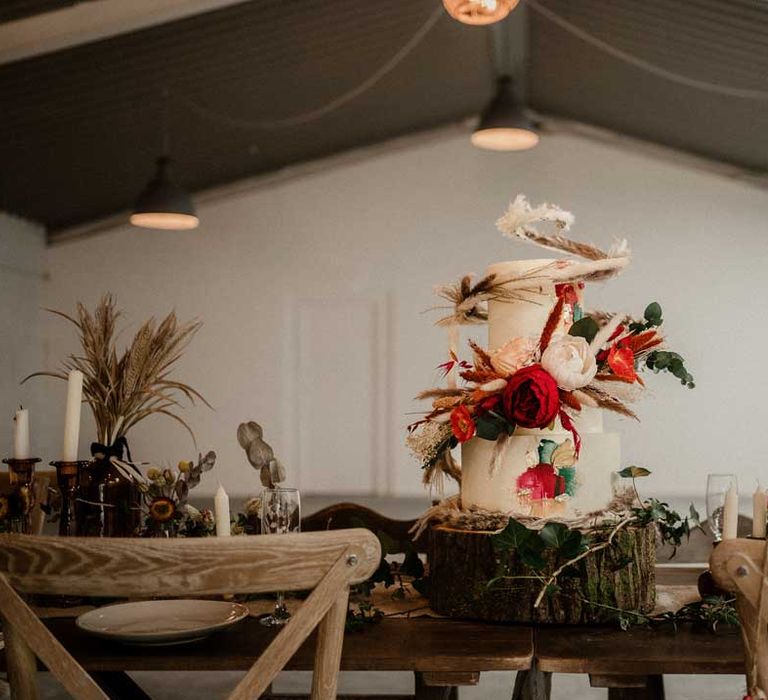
(123, 389)
(531, 382)
(165, 494)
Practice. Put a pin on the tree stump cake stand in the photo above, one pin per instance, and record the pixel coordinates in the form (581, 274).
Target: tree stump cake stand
(464, 562)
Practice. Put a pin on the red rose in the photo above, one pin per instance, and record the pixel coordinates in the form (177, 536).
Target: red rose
(462, 424)
(531, 398)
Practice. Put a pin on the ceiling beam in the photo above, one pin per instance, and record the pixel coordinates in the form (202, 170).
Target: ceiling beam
(91, 21)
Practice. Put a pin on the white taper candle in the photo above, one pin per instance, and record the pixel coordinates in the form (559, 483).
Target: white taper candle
(758, 512)
(731, 513)
(70, 448)
(21, 434)
(221, 509)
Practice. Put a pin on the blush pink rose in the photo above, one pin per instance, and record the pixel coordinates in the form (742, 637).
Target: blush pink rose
(513, 355)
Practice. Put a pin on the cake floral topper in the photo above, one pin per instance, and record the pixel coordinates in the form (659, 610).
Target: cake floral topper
(579, 360)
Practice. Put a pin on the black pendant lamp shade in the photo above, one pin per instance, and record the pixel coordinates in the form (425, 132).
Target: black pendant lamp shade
(163, 204)
(504, 125)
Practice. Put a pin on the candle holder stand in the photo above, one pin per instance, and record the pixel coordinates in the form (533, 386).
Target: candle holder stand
(68, 480)
(21, 500)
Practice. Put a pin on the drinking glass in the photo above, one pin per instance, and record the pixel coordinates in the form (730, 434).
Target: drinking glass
(280, 514)
(717, 487)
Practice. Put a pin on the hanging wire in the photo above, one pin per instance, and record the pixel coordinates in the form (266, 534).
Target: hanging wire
(337, 102)
(642, 64)
(166, 138)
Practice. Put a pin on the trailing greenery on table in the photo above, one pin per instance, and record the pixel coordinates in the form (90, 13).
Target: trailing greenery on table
(568, 547)
(711, 613)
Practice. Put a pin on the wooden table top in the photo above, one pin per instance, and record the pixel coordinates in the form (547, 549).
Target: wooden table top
(437, 645)
(423, 644)
(608, 650)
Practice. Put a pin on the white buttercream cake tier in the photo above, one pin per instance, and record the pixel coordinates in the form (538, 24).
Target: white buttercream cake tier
(501, 491)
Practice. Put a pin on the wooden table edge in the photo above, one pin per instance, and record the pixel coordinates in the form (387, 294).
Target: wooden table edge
(628, 668)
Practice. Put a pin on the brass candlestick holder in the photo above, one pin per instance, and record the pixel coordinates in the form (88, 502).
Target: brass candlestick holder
(68, 480)
(21, 501)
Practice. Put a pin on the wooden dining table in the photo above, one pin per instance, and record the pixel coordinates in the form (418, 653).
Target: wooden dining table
(443, 654)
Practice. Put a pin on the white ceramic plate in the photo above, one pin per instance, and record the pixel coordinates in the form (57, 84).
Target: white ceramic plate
(161, 622)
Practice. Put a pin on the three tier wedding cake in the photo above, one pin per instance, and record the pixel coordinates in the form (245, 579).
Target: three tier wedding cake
(540, 473)
(527, 411)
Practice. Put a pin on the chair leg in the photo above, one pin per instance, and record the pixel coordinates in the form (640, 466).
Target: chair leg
(22, 665)
(330, 639)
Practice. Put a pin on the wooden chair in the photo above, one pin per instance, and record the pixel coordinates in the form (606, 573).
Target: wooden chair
(325, 562)
(741, 566)
(346, 515)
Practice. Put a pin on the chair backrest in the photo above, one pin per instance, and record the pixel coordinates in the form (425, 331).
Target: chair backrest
(345, 515)
(741, 566)
(325, 562)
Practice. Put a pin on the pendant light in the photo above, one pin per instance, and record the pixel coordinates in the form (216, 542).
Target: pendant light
(163, 204)
(504, 125)
(479, 12)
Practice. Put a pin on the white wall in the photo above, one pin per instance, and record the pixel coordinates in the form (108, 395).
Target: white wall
(313, 294)
(22, 253)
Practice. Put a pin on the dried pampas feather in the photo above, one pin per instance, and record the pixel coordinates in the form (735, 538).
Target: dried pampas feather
(623, 391)
(438, 393)
(482, 358)
(444, 465)
(607, 401)
(470, 302)
(583, 398)
(520, 217)
(518, 222)
(467, 300)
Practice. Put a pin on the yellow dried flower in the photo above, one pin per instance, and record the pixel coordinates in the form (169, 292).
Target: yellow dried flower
(153, 474)
(184, 466)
